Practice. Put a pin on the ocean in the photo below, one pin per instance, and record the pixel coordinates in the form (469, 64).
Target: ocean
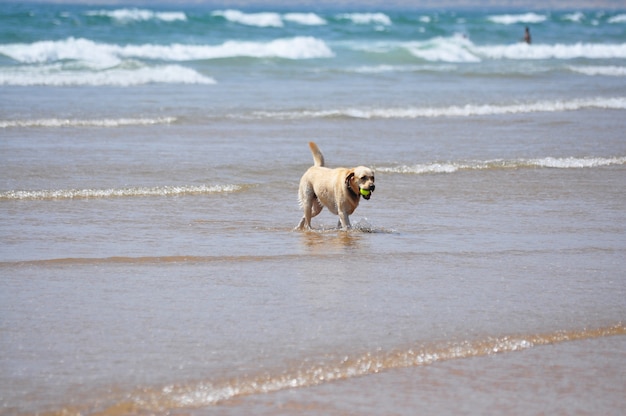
(150, 161)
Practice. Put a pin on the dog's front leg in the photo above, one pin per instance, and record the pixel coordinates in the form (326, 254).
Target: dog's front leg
(344, 221)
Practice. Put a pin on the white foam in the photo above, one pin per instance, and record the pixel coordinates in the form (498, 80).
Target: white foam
(270, 19)
(620, 18)
(382, 69)
(574, 162)
(610, 71)
(105, 122)
(98, 55)
(117, 192)
(302, 47)
(557, 51)
(511, 19)
(469, 110)
(366, 18)
(574, 17)
(459, 49)
(265, 19)
(546, 162)
(102, 55)
(308, 19)
(62, 75)
(452, 49)
(456, 49)
(129, 15)
(420, 169)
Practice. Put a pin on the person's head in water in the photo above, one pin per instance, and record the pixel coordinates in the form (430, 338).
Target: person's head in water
(527, 38)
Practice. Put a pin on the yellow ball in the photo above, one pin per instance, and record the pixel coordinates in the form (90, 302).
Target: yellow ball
(365, 192)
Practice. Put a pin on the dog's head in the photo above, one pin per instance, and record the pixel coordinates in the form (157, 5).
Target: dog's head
(361, 178)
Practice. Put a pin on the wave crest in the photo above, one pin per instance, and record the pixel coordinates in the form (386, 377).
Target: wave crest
(521, 51)
(103, 55)
(131, 15)
(456, 49)
(469, 110)
(122, 76)
(308, 19)
(105, 122)
(263, 19)
(117, 192)
(608, 71)
(511, 19)
(366, 18)
(620, 18)
(460, 49)
(546, 162)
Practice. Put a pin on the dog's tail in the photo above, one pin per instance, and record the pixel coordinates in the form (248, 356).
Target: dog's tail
(318, 157)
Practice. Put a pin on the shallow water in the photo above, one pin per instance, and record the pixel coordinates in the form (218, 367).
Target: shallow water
(148, 258)
(583, 377)
(180, 299)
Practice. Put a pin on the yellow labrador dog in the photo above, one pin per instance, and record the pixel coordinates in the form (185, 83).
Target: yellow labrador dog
(339, 190)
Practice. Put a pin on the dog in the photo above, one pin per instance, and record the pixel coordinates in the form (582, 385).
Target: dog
(339, 190)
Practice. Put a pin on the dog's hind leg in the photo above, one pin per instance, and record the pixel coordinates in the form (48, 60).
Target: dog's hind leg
(311, 207)
(305, 222)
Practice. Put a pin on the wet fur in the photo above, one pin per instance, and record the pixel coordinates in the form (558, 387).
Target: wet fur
(337, 189)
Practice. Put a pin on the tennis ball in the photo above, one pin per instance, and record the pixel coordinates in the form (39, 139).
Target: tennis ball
(365, 192)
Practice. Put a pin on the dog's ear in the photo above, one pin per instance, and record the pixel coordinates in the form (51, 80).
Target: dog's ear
(349, 177)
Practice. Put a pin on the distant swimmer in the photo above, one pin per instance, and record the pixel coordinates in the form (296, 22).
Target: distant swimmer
(527, 38)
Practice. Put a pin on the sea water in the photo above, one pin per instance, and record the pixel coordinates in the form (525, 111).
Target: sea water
(150, 160)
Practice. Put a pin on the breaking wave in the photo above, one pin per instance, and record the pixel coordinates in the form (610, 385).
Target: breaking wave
(512, 19)
(469, 110)
(608, 71)
(262, 19)
(270, 19)
(546, 162)
(308, 19)
(132, 15)
(366, 18)
(117, 192)
(66, 122)
(105, 55)
(521, 51)
(65, 75)
(83, 62)
(273, 19)
(460, 49)
(620, 18)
